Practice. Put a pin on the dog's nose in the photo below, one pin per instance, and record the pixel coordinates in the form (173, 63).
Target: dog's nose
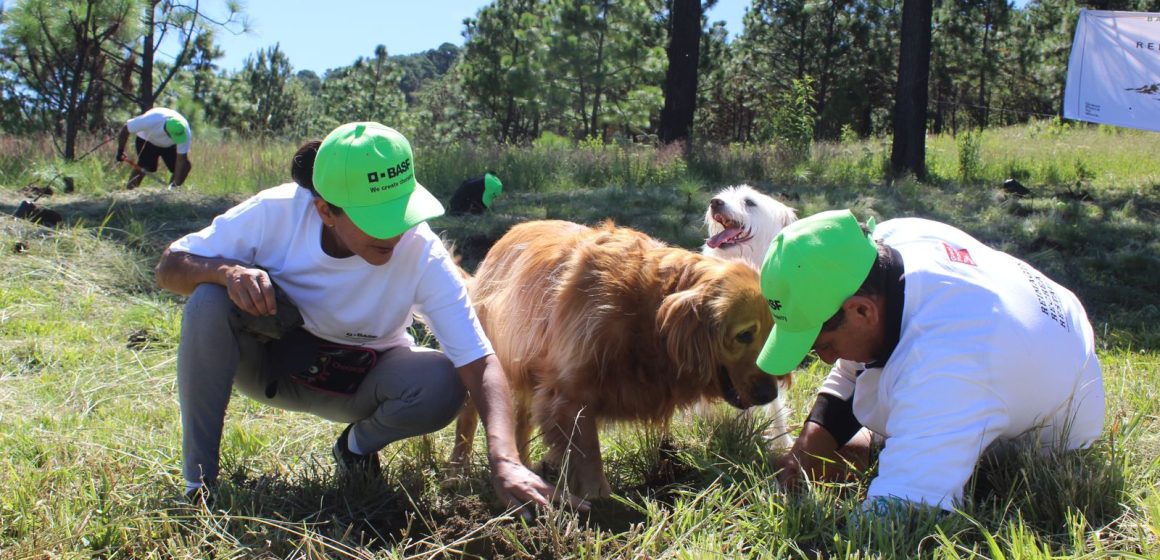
(716, 203)
(764, 390)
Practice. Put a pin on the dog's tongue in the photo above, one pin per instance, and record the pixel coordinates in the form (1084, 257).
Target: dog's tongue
(725, 236)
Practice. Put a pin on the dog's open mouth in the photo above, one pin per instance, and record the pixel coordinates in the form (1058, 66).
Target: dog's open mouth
(729, 391)
(731, 235)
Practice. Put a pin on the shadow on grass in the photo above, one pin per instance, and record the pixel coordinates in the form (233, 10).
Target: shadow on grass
(283, 517)
(412, 511)
(148, 219)
(1104, 250)
(665, 214)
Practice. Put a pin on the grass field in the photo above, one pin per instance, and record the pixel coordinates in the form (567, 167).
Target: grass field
(89, 428)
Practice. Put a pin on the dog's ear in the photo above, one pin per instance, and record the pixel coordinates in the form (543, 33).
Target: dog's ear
(787, 217)
(686, 324)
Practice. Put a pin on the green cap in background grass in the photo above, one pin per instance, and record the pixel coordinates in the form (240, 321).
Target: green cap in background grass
(813, 265)
(492, 187)
(367, 169)
(176, 131)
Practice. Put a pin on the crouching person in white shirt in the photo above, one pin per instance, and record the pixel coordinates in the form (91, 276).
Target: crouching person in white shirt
(300, 298)
(159, 133)
(941, 346)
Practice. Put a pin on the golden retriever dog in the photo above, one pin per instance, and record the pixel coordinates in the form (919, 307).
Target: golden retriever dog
(606, 324)
(742, 223)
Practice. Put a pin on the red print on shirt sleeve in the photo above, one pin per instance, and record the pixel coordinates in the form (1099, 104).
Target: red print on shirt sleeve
(959, 255)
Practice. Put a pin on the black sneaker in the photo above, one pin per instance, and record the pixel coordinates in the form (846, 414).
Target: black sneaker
(351, 464)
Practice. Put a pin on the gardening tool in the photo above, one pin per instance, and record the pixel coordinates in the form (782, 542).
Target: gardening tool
(95, 148)
(142, 171)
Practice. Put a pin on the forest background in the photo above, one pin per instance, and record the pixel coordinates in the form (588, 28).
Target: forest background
(528, 70)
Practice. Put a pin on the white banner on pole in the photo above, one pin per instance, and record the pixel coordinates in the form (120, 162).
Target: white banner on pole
(1113, 75)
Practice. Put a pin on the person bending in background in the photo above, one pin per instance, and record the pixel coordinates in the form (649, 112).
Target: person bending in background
(940, 345)
(347, 245)
(474, 196)
(160, 134)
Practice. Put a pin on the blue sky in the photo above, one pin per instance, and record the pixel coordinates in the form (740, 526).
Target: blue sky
(319, 35)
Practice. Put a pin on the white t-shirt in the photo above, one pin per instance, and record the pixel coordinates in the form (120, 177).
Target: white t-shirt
(347, 300)
(989, 349)
(150, 126)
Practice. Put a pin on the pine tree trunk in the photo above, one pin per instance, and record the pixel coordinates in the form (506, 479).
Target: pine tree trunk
(908, 154)
(145, 88)
(681, 77)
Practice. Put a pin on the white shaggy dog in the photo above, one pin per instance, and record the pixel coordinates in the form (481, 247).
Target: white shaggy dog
(742, 223)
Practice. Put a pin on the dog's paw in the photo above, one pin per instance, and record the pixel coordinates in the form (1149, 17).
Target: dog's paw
(548, 470)
(456, 469)
(459, 462)
(590, 486)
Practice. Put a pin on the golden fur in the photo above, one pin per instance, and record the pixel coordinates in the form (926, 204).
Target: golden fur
(608, 324)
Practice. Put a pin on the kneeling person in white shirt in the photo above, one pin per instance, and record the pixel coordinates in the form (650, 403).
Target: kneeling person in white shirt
(940, 344)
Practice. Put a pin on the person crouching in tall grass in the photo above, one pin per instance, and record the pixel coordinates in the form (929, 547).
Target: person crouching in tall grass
(300, 297)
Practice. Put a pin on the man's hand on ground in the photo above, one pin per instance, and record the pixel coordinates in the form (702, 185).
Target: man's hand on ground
(518, 487)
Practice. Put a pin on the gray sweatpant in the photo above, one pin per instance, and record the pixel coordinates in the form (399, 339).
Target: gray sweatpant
(410, 391)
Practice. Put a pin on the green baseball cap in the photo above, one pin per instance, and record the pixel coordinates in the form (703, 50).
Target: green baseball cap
(176, 130)
(813, 265)
(492, 188)
(367, 169)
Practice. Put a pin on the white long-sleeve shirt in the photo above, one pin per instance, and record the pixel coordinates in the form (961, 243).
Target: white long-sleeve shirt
(989, 349)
